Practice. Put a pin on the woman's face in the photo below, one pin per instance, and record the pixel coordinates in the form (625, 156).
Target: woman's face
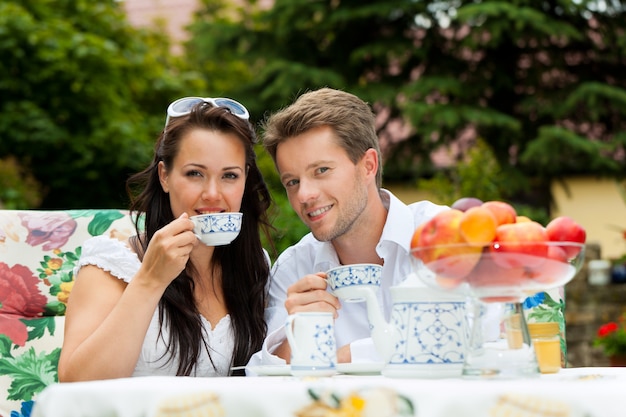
(208, 175)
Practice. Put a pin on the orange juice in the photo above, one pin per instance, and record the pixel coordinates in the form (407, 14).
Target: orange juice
(547, 342)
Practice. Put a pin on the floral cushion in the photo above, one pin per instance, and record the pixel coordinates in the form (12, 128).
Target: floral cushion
(38, 251)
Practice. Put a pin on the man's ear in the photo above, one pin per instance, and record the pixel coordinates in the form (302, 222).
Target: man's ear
(370, 162)
(163, 177)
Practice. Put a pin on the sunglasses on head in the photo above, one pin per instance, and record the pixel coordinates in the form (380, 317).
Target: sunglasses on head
(183, 106)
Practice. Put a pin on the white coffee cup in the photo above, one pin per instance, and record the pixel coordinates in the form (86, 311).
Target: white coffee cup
(311, 336)
(216, 229)
(348, 281)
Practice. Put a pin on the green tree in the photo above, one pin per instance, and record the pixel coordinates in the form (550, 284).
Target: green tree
(18, 189)
(82, 97)
(288, 228)
(540, 82)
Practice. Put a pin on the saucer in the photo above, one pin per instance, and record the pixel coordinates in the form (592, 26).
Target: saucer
(360, 368)
(423, 371)
(270, 370)
(313, 370)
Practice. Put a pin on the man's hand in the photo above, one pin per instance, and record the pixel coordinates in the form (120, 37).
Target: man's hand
(309, 294)
(344, 355)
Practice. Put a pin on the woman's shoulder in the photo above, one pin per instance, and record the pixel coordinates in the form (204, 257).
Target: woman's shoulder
(111, 255)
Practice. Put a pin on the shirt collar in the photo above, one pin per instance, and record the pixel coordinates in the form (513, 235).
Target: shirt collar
(398, 230)
(400, 223)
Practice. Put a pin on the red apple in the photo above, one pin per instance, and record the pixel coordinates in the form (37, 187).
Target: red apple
(557, 253)
(565, 229)
(555, 267)
(415, 239)
(523, 245)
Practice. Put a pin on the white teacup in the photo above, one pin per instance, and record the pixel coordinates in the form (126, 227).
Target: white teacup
(347, 281)
(311, 336)
(216, 229)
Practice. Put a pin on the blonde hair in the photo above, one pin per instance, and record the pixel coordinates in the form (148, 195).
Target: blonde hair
(350, 118)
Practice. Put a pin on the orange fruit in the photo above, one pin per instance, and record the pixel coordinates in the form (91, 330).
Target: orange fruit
(478, 226)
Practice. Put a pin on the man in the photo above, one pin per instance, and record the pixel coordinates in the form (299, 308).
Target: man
(326, 151)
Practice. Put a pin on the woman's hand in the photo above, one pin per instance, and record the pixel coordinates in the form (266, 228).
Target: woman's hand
(168, 250)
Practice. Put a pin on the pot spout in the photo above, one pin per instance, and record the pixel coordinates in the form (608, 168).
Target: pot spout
(381, 331)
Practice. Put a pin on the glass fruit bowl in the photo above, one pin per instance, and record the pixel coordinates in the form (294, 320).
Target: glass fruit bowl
(498, 277)
(500, 272)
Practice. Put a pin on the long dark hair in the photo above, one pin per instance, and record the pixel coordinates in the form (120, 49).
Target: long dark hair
(244, 268)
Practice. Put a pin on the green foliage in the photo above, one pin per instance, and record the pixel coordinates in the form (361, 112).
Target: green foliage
(30, 372)
(82, 93)
(17, 188)
(40, 326)
(526, 77)
(288, 228)
(477, 175)
(82, 97)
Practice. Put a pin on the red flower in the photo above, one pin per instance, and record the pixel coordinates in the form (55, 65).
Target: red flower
(19, 297)
(607, 329)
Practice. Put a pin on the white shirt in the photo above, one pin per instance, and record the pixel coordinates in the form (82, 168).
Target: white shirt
(114, 256)
(310, 256)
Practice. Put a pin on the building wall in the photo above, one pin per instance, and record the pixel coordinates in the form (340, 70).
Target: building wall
(175, 15)
(599, 206)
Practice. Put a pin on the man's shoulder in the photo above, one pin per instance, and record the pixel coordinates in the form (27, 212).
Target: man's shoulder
(425, 208)
(421, 210)
(303, 250)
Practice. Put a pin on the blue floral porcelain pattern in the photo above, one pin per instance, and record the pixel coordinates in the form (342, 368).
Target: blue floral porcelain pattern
(429, 333)
(325, 342)
(355, 274)
(221, 222)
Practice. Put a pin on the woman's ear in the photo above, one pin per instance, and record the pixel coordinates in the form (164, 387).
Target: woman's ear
(163, 177)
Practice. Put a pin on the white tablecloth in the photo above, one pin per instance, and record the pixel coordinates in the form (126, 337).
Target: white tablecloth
(573, 392)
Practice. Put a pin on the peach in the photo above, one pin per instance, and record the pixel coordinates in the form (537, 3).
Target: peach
(504, 212)
(448, 283)
(526, 240)
(489, 279)
(478, 226)
(442, 248)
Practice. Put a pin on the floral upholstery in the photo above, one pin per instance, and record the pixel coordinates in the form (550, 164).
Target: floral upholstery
(38, 251)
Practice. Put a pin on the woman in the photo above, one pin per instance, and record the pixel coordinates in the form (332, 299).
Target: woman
(164, 303)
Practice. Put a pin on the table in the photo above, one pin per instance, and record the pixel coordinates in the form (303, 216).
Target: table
(573, 392)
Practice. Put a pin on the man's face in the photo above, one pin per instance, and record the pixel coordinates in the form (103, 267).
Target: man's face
(325, 188)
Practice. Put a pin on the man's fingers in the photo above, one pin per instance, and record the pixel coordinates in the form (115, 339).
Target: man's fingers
(307, 283)
(320, 306)
(304, 300)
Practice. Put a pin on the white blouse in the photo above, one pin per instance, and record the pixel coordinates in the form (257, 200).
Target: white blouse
(115, 257)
